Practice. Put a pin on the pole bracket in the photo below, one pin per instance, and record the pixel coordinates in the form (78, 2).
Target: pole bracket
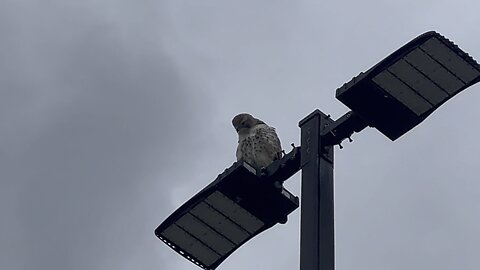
(342, 128)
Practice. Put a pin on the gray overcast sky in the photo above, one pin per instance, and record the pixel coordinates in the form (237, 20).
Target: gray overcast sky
(113, 113)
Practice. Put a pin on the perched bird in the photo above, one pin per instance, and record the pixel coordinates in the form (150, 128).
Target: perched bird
(258, 143)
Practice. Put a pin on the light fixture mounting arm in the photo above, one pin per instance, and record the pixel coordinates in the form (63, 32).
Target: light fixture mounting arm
(343, 128)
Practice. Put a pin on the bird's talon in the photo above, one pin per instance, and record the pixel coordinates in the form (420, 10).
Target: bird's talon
(263, 171)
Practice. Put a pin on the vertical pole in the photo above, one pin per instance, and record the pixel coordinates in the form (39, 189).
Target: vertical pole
(317, 215)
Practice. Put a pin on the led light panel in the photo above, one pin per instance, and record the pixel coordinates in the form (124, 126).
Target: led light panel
(234, 208)
(406, 87)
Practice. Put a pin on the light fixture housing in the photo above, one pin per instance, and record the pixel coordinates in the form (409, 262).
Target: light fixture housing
(402, 90)
(238, 205)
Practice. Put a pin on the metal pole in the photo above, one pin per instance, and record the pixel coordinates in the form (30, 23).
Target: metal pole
(317, 215)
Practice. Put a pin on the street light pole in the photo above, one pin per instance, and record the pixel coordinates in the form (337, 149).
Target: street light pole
(317, 242)
(393, 96)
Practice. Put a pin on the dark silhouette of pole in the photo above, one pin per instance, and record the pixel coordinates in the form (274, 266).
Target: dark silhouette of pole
(317, 242)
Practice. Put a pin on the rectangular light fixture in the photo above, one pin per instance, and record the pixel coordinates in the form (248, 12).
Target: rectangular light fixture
(234, 208)
(406, 87)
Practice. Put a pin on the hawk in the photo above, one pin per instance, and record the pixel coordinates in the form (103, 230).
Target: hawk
(258, 143)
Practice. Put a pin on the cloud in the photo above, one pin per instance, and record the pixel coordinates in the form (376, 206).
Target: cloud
(92, 123)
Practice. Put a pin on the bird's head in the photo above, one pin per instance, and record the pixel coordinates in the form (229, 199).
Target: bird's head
(245, 121)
